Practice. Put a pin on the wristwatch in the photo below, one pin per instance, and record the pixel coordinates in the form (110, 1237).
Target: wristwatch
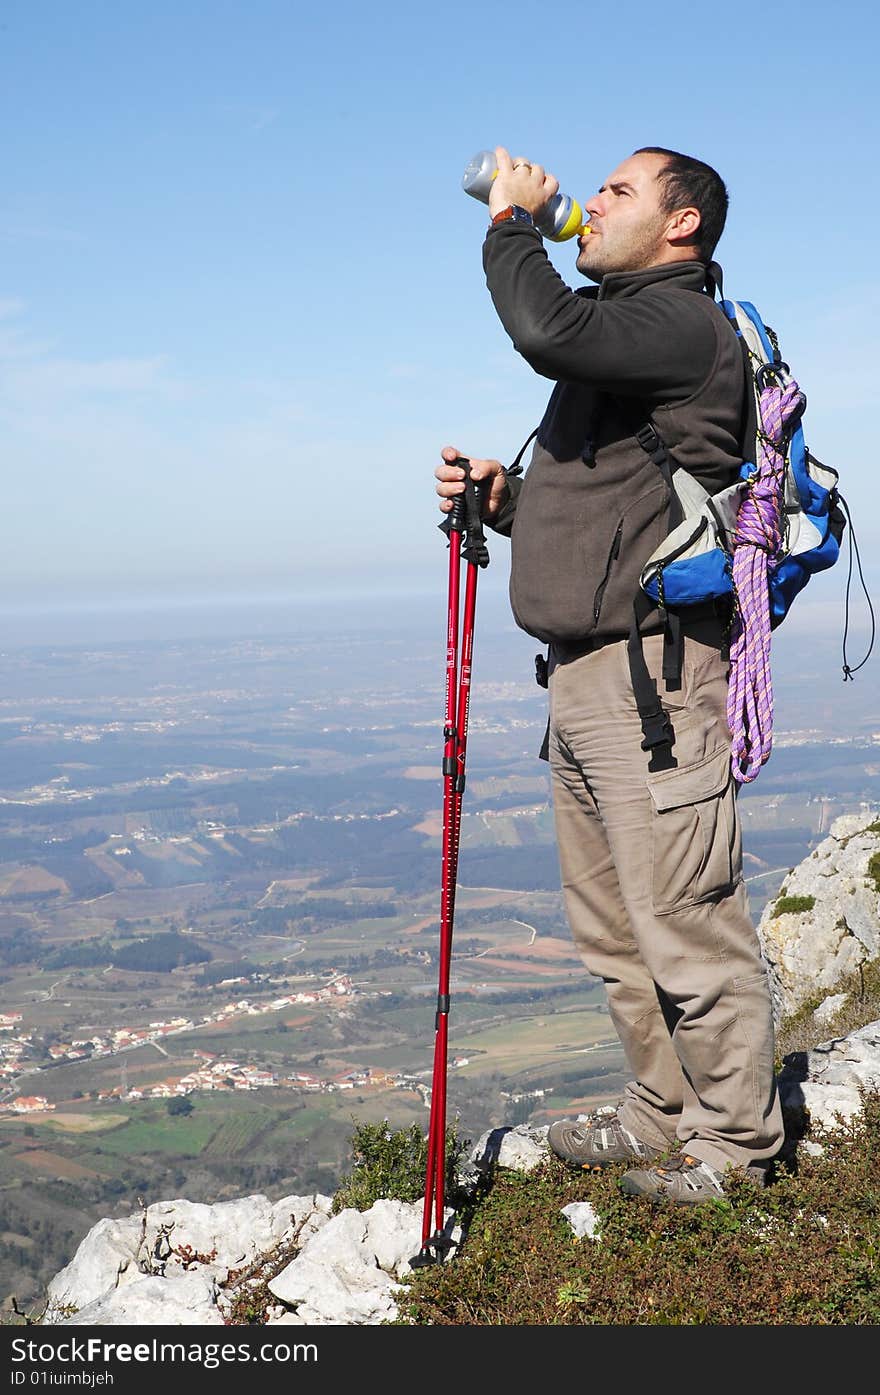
(513, 214)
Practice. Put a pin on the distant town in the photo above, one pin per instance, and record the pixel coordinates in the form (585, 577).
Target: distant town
(218, 1073)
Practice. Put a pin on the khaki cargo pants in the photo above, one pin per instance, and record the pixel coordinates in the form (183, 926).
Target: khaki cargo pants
(652, 875)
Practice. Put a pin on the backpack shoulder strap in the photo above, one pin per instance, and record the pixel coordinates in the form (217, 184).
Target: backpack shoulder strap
(715, 280)
(756, 348)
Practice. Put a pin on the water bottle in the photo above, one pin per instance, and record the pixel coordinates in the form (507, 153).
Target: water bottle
(561, 218)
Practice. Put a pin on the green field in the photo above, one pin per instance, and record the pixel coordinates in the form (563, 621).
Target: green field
(538, 1042)
(236, 1134)
(177, 1136)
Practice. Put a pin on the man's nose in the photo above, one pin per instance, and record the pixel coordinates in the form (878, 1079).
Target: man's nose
(594, 206)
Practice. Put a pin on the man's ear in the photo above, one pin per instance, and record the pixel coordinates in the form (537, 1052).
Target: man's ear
(683, 227)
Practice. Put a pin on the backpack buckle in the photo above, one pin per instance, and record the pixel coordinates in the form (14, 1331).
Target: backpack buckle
(647, 438)
(657, 730)
(765, 371)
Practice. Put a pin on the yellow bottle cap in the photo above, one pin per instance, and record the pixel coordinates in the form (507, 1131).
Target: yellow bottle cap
(574, 224)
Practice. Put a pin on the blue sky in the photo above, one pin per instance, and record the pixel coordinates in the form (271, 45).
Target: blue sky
(241, 297)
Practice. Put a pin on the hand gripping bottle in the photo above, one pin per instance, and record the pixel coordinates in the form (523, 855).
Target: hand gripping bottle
(562, 217)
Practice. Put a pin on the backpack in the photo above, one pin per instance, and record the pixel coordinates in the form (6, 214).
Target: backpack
(693, 564)
(749, 549)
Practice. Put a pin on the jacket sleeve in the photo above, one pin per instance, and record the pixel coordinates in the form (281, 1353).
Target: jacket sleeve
(503, 520)
(653, 345)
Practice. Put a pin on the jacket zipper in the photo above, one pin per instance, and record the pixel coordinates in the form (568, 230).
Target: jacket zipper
(612, 558)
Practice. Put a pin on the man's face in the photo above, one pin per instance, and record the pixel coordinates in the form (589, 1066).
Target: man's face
(627, 222)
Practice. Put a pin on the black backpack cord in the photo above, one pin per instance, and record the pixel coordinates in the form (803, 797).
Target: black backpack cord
(848, 670)
(516, 468)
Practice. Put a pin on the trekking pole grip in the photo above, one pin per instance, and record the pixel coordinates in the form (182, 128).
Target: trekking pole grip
(455, 520)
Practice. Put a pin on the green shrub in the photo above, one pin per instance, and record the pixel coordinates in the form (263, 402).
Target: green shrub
(393, 1165)
(874, 870)
(179, 1105)
(793, 905)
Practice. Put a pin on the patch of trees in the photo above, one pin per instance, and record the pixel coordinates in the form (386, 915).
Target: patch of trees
(533, 995)
(351, 963)
(533, 868)
(175, 820)
(387, 849)
(374, 1007)
(84, 954)
(550, 922)
(38, 897)
(19, 946)
(161, 953)
(318, 911)
(180, 1106)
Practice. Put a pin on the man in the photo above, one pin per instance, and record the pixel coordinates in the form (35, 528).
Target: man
(650, 850)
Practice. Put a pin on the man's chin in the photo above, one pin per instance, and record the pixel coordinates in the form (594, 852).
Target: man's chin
(587, 264)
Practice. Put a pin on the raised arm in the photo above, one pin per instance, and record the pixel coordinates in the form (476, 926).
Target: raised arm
(621, 345)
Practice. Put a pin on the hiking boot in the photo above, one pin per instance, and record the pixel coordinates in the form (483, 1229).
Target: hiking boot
(682, 1180)
(595, 1142)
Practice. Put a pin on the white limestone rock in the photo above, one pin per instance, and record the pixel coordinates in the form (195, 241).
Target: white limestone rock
(105, 1258)
(188, 1300)
(325, 1294)
(817, 948)
(348, 1272)
(520, 1148)
(582, 1219)
(179, 1238)
(820, 1084)
(233, 1232)
(829, 1008)
(394, 1234)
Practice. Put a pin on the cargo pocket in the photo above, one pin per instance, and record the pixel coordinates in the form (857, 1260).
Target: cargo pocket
(693, 828)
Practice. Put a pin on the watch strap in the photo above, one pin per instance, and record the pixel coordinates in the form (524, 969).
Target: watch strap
(513, 213)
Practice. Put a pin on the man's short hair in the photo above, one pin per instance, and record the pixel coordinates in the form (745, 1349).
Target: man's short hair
(690, 183)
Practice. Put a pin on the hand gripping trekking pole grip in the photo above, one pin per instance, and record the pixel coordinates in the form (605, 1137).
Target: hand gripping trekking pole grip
(463, 517)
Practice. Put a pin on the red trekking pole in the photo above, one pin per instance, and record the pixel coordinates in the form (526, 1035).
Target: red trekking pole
(467, 542)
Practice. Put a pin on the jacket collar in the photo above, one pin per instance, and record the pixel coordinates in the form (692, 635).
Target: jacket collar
(688, 276)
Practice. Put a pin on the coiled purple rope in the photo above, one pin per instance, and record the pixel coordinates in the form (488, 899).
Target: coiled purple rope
(757, 549)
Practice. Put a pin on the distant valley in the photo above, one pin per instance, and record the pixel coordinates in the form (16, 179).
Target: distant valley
(219, 899)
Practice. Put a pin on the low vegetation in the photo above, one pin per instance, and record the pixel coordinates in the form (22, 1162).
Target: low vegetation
(861, 1004)
(392, 1164)
(802, 1252)
(793, 905)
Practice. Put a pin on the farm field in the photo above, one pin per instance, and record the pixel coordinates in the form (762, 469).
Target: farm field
(536, 1043)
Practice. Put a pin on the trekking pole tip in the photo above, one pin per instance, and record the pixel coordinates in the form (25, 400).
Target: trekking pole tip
(440, 1243)
(423, 1259)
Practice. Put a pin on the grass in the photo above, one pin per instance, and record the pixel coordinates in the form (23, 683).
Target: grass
(806, 1251)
